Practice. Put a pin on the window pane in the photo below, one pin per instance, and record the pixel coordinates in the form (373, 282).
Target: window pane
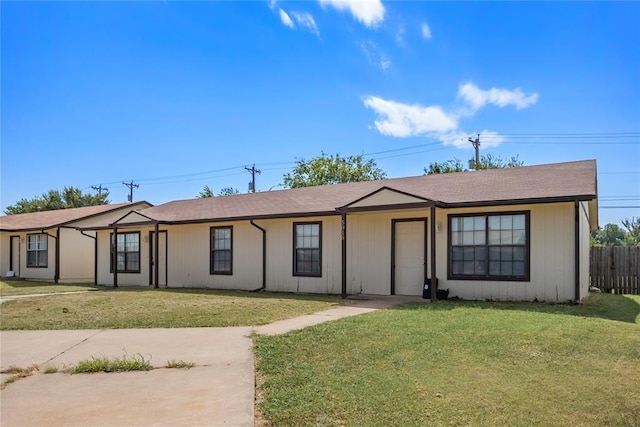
(315, 242)
(456, 238)
(518, 268)
(478, 223)
(506, 254)
(506, 268)
(456, 224)
(494, 268)
(456, 267)
(479, 237)
(456, 254)
(518, 222)
(494, 223)
(506, 237)
(518, 253)
(31, 258)
(467, 238)
(494, 237)
(467, 223)
(480, 268)
(494, 253)
(519, 237)
(506, 222)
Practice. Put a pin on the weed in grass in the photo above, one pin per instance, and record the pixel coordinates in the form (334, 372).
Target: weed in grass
(179, 364)
(104, 364)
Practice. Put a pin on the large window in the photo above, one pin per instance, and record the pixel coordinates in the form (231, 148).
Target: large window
(37, 254)
(128, 252)
(489, 246)
(221, 250)
(307, 248)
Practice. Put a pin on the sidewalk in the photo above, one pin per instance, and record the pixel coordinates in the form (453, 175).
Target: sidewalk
(218, 391)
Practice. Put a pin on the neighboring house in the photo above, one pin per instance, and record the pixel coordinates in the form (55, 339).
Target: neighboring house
(47, 245)
(503, 234)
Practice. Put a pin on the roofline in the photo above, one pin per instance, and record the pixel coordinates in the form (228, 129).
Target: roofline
(82, 218)
(532, 201)
(212, 220)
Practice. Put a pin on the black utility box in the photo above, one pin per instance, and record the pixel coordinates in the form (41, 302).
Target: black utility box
(426, 290)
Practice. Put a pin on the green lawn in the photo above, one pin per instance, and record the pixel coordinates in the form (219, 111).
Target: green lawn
(458, 363)
(23, 287)
(157, 308)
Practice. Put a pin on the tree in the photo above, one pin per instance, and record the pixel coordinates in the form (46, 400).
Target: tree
(69, 197)
(206, 192)
(487, 161)
(332, 169)
(228, 191)
(632, 236)
(609, 235)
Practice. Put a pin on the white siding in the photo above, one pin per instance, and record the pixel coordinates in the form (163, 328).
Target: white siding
(105, 277)
(369, 250)
(76, 256)
(552, 262)
(29, 273)
(386, 197)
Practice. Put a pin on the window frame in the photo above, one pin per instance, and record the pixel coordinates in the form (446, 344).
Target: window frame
(212, 250)
(526, 277)
(114, 248)
(295, 271)
(46, 251)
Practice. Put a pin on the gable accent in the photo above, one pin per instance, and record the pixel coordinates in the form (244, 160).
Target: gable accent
(133, 218)
(386, 197)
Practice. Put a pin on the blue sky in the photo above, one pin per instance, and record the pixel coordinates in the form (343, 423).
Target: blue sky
(176, 96)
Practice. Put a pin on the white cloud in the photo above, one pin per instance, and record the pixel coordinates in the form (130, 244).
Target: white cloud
(284, 17)
(306, 20)
(477, 98)
(368, 12)
(410, 120)
(373, 55)
(272, 4)
(402, 120)
(426, 31)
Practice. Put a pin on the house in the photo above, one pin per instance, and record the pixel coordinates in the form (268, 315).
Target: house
(48, 246)
(502, 234)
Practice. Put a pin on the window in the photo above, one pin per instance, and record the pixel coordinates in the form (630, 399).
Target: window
(128, 252)
(37, 254)
(221, 250)
(489, 246)
(307, 248)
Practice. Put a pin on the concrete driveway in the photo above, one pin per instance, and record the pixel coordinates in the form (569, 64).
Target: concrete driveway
(218, 391)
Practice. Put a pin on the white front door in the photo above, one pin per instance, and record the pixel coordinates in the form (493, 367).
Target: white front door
(409, 257)
(14, 255)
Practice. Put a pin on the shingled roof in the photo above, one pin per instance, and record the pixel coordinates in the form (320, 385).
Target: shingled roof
(534, 184)
(56, 218)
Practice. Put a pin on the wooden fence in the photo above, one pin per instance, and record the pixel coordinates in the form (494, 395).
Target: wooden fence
(615, 269)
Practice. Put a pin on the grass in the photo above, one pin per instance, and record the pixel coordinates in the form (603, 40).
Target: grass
(105, 364)
(179, 364)
(458, 363)
(158, 308)
(23, 287)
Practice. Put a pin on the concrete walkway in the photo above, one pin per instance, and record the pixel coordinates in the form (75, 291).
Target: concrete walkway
(218, 391)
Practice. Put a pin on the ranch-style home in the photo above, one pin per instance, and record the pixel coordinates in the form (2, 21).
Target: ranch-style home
(48, 246)
(502, 234)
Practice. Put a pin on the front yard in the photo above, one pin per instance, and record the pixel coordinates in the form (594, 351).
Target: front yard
(464, 363)
(157, 308)
(23, 287)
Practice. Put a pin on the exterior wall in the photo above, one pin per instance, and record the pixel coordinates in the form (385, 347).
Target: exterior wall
(105, 277)
(551, 259)
(369, 250)
(5, 248)
(76, 256)
(386, 197)
(29, 273)
(585, 234)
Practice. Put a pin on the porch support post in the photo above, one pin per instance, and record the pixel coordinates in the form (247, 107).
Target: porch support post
(56, 276)
(114, 260)
(156, 264)
(344, 254)
(432, 226)
(576, 251)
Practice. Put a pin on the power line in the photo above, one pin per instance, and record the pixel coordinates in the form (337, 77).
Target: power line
(253, 171)
(100, 189)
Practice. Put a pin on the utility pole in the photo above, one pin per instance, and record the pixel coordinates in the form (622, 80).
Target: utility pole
(253, 171)
(131, 186)
(476, 145)
(100, 189)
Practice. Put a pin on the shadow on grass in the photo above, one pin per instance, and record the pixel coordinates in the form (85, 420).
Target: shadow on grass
(622, 308)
